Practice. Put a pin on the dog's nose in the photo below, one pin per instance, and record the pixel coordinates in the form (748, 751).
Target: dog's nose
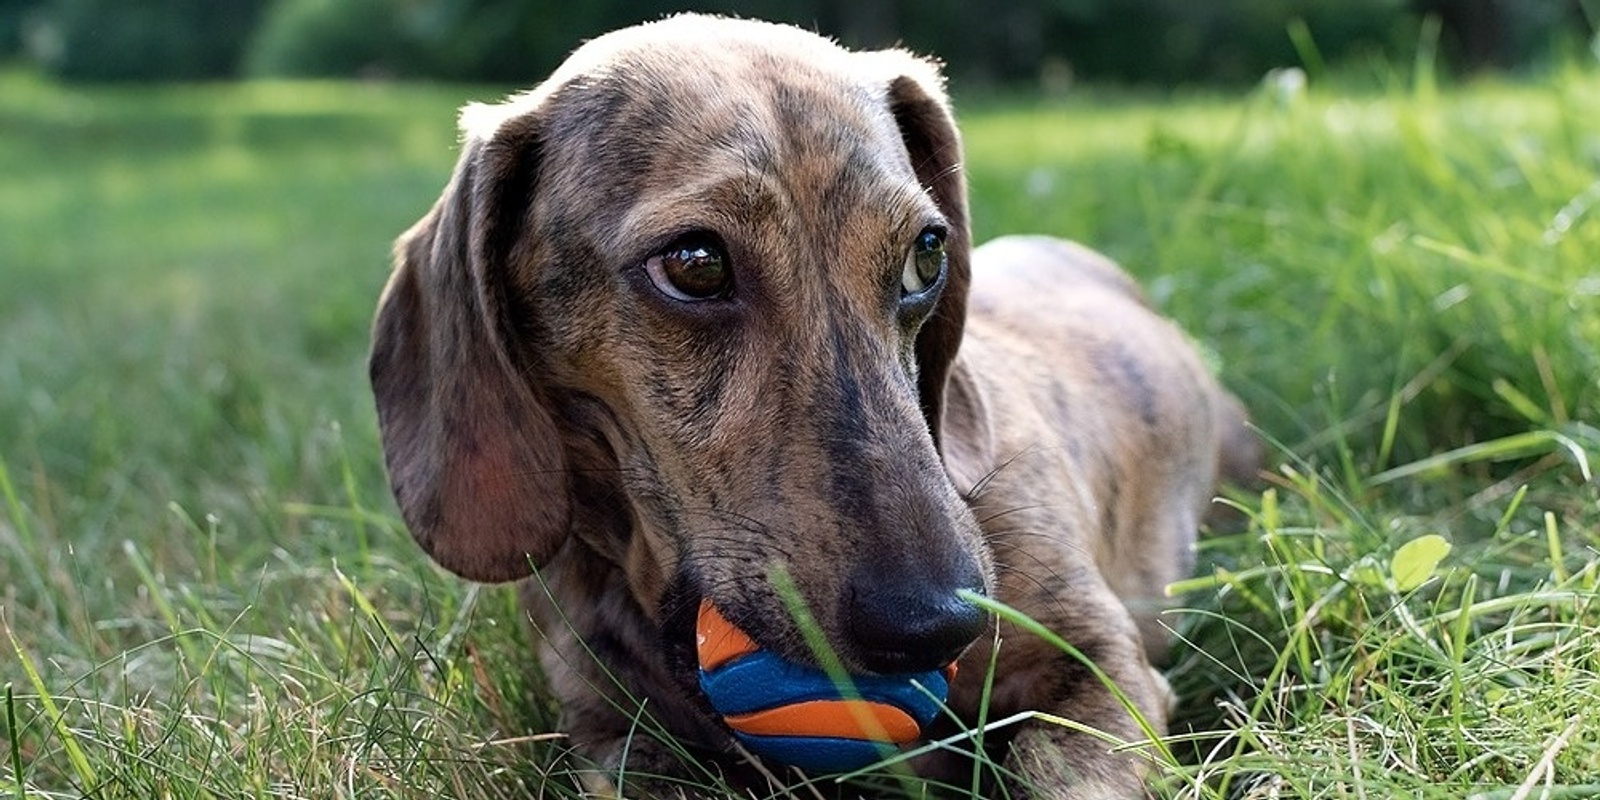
(907, 626)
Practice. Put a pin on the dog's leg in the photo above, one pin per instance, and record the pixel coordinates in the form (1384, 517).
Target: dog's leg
(1063, 758)
(1086, 742)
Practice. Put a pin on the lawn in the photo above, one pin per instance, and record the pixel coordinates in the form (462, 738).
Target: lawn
(205, 591)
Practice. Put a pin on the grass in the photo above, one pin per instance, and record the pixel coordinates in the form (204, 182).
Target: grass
(207, 594)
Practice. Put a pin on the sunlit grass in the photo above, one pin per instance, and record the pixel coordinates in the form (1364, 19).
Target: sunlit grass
(206, 592)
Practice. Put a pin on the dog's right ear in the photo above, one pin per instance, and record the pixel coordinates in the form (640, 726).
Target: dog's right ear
(472, 452)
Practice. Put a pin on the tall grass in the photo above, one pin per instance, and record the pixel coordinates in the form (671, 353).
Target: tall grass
(206, 592)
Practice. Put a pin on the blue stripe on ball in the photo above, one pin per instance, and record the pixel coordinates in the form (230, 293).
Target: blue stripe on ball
(763, 680)
(817, 754)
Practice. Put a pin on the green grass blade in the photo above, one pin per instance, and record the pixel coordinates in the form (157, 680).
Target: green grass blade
(1030, 625)
(14, 737)
(19, 518)
(64, 731)
(1515, 446)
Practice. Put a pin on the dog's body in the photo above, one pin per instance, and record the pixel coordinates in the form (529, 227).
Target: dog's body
(689, 315)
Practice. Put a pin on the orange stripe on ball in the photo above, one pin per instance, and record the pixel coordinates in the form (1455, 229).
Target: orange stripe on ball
(718, 641)
(843, 719)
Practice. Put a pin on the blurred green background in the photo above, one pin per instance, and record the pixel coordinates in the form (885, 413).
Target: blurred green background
(1390, 254)
(1142, 41)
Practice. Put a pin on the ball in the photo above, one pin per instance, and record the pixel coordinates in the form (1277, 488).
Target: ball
(796, 715)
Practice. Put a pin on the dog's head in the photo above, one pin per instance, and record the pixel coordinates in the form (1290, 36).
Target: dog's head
(694, 301)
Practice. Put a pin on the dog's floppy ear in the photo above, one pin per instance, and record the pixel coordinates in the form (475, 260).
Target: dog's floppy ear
(473, 454)
(917, 101)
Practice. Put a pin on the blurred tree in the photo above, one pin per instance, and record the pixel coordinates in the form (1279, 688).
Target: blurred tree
(151, 39)
(517, 41)
(13, 17)
(1174, 41)
(305, 38)
(1502, 33)
(497, 40)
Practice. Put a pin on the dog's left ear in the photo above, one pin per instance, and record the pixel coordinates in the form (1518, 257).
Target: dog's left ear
(921, 110)
(473, 451)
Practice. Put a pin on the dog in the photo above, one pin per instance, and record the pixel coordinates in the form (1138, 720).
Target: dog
(703, 307)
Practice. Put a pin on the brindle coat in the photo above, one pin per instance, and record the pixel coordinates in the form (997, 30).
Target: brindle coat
(1038, 435)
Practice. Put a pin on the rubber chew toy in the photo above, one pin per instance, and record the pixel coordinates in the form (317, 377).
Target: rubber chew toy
(797, 715)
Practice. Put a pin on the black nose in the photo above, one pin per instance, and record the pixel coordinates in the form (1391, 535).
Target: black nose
(911, 626)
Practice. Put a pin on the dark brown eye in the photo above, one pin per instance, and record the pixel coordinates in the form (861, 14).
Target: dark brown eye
(694, 267)
(925, 263)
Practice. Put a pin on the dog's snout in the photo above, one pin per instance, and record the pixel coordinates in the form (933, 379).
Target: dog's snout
(912, 626)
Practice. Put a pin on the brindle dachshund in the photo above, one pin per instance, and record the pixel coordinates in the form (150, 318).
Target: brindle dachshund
(703, 305)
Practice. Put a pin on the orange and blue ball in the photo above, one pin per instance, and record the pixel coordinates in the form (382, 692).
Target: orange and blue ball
(797, 715)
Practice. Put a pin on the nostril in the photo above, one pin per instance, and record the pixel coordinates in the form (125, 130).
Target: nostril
(899, 628)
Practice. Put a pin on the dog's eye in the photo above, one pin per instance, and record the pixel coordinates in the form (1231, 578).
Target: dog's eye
(694, 267)
(925, 263)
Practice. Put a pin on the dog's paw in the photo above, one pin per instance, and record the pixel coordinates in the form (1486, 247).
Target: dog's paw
(598, 786)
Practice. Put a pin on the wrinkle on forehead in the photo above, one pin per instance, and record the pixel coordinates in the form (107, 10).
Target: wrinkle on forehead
(791, 146)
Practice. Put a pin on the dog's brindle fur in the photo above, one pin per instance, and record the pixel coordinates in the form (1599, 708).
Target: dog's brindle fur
(1040, 436)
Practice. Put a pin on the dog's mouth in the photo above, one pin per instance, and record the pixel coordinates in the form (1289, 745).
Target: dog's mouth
(910, 639)
(818, 719)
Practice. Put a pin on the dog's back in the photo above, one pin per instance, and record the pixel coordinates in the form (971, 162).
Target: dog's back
(1095, 406)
